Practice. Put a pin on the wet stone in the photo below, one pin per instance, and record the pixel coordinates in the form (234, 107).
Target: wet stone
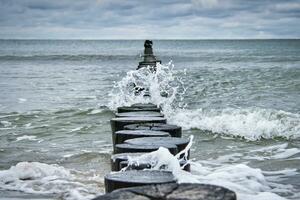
(172, 191)
(119, 123)
(133, 148)
(140, 114)
(175, 131)
(134, 178)
(121, 136)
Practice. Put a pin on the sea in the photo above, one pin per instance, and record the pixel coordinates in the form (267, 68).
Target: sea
(239, 99)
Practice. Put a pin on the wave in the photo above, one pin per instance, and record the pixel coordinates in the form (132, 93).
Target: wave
(248, 123)
(41, 178)
(247, 182)
(70, 57)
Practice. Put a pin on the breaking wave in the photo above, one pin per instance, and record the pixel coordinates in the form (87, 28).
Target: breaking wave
(248, 183)
(167, 90)
(41, 178)
(249, 123)
(70, 57)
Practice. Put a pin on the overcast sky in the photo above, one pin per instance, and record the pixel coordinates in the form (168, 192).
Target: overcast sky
(153, 19)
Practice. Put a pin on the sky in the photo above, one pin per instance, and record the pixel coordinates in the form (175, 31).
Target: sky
(149, 19)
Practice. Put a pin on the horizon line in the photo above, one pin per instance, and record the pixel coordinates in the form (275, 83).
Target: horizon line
(107, 39)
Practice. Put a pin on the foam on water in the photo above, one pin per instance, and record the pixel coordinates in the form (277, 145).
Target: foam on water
(249, 123)
(41, 178)
(27, 137)
(248, 183)
(164, 86)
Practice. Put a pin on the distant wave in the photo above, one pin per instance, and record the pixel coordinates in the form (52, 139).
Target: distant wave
(71, 57)
(182, 57)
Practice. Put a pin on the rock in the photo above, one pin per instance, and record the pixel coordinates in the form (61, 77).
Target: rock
(171, 191)
(175, 131)
(134, 178)
(140, 114)
(121, 136)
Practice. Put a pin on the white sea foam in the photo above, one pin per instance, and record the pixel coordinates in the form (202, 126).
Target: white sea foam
(248, 183)
(76, 129)
(27, 137)
(278, 151)
(95, 111)
(249, 123)
(41, 178)
(5, 123)
(22, 100)
(164, 86)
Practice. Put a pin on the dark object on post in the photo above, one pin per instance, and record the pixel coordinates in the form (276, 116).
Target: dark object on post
(121, 136)
(149, 59)
(175, 131)
(140, 114)
(135, 148)
(174, 191)
(134, 178)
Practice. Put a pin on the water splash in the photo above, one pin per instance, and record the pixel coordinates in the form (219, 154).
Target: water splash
(165, 87)
(161, 159)
(247, 182)
(41, 178)
(248, 123)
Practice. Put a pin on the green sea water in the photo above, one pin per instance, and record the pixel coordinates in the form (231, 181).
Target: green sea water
(239, 98)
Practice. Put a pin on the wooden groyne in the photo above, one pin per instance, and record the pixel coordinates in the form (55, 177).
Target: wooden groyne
(142, 128)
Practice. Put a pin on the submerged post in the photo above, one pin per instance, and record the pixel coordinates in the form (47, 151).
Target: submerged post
(149, 58)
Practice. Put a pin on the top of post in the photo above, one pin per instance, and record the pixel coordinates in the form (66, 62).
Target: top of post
(148, 47)
(149, 59)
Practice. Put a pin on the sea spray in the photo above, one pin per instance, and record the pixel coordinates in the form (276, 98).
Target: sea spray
(167, 90)
(42, 178)
(249, 123)
(165, 87)
(247, 182)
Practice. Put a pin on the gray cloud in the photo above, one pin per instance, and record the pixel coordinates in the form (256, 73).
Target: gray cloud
(157, 19)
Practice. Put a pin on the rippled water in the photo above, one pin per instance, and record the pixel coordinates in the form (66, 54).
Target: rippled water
(241, 104)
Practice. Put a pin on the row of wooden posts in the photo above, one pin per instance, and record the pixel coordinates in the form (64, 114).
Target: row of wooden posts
(142, 128)
(139, 129)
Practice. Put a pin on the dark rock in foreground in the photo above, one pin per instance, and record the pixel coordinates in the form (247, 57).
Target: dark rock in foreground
(171, 191)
